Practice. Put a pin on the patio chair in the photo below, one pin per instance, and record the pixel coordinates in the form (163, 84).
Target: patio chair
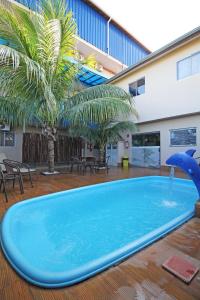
(2, 181)
(13, 172)
(89, 162)
(102, 165)
(2, 157)
(78, 162)
(25, 169)
(4, 177)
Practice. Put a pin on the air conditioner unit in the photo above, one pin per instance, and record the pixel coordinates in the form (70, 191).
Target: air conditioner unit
(4, 127)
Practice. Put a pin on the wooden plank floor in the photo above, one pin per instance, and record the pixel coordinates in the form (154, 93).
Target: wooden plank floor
(139, 277)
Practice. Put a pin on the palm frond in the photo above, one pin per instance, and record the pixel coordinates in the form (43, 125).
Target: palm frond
(103, 91)
(98, 104)
(11, 111)
(104, 133)
(56, 34)
(90, 61)
(121, 126)
(15, 59)
(114, 130)
(17, 27)
(52, 9)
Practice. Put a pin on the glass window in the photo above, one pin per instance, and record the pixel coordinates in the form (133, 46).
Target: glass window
(188, 66)
(146, 139)
(137, 88)
(183, 137)
(133, 89)
(141, 86)
(184, 68)
(137, 140)
(7, 139)
(196, 63)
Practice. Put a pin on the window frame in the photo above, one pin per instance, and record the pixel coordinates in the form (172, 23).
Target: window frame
(136, 83)
(145, 135)
(182, 145)
(181, 60)
(3, 138)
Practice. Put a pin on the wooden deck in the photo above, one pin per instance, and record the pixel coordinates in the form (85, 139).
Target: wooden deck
(139, 277)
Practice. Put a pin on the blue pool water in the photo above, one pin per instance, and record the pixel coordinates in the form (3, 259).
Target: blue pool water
(63, 238)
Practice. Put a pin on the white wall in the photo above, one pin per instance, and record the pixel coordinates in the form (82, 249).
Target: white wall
(164, 127)
(165, 96)
(15, 152)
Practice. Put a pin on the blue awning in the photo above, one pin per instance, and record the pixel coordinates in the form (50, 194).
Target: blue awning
(88, 76)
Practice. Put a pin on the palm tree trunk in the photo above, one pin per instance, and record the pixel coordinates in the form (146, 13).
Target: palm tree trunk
(101, 153)
(51, 137)
(51, 154)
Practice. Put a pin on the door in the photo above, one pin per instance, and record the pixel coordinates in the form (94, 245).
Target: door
(112, 151)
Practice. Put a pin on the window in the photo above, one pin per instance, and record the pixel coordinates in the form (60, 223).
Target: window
(188, 66)
(7, 139)
(183, 137)
(137, 88)
(146, 139)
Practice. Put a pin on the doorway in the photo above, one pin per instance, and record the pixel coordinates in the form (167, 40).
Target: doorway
(112, 151)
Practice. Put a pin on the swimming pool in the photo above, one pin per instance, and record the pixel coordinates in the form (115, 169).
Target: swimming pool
(63, 238)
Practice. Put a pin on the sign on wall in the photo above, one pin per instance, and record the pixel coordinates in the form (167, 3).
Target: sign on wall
(183, 137)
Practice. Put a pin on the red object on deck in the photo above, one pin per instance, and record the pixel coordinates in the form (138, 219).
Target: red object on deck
(181, 268)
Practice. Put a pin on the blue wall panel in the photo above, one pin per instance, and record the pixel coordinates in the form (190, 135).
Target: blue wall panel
(92, 27)
(91, 24)
(124, 48)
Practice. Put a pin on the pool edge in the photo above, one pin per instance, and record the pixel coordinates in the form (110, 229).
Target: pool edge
(182, 219)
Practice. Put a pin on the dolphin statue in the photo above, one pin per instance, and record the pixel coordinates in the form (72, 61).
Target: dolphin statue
(186, 162)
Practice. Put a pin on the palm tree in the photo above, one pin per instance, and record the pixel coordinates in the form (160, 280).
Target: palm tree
(36, 77)
(106, 132)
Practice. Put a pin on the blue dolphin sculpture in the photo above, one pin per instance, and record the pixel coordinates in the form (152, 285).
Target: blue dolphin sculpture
(188, 164)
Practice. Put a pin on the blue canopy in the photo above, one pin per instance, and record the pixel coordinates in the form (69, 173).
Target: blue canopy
(88, 76)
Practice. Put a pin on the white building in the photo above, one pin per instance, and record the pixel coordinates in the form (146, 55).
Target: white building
(166, 91)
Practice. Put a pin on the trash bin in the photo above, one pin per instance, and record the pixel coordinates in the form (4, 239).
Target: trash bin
(125, 162)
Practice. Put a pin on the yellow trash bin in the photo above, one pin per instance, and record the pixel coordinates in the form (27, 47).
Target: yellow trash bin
(125, 162)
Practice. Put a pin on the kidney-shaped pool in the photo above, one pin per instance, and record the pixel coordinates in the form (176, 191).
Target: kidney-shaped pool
(63, 238)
